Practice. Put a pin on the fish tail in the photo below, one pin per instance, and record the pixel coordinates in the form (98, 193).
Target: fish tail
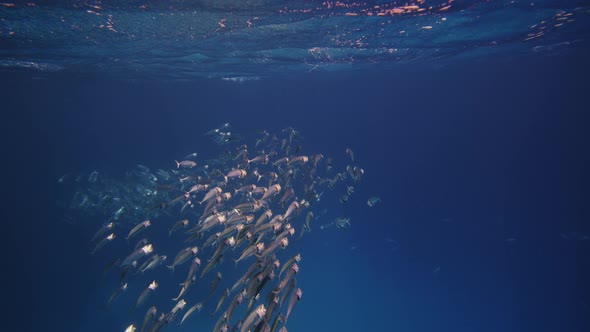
(177, 164)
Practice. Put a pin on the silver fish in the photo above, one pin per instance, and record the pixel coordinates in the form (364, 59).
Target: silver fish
(149, 316)
(107, 227)
(145, 250)
(294, 298)
(197, 307)
(138, 228)
(146, 292)
(185, 164)
(183, 256)
(185, 286)
(102, 242)
(257, 314)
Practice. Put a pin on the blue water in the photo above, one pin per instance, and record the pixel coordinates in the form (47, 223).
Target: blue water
(480, 158)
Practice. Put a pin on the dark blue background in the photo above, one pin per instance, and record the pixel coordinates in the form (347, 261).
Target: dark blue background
(464, 156)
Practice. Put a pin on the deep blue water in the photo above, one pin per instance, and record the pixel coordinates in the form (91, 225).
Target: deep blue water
(482, 167)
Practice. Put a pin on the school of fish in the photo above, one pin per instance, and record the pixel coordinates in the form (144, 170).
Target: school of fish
(248, 204)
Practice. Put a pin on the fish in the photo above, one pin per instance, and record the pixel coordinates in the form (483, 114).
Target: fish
(146, 292)
(272, 190)
(263, 159)
(350, 154)
(177, 225)
(192, 155)
(263, 217)
(272, 302)
(298, 160)
(236, 173)
(185, 164)
(105, 228)
(294, 259)
(194, 266)
(289, 289)
(102, 242)
(248, 252)
(183, 255)
(292, 271)
(292, 208)
(116, 293)
(283, 242)
(143, 225)
(177, 307)
(119, 213)
(255, 315)
(137, 254)
(221, 300)
(197, 307)
(296, 297)
(275, 324)
(211, 194)
(149, 316)
(155, 262)
(141, 243)
(185, 286)
(159, 323)
(373, 200)
(281, 161)
(235, 302)
(214, 285)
